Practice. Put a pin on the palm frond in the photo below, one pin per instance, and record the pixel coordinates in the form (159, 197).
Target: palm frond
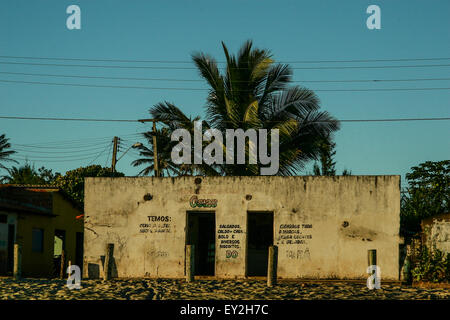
(5, 154)
(252, 93)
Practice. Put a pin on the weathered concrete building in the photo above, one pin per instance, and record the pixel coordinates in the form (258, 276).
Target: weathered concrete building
(436, 232)
(323, 226)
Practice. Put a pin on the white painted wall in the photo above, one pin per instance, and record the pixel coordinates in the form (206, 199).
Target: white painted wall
(340, 219)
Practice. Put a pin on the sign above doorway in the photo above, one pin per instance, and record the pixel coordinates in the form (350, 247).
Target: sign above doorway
(195, 202)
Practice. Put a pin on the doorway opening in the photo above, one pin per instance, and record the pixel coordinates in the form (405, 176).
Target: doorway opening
(58, 248)
(201, 232)
(259, 238)
(11, 241)
(79, 242)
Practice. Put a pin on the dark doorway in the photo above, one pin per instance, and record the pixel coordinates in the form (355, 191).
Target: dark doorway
(79, 250)
(201, 232)
(11, 240)
(259, 238)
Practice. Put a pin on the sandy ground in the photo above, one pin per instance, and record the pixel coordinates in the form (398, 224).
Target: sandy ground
(169, 289)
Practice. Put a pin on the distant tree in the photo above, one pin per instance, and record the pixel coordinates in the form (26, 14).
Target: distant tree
(27, 174)
(326, 155)
(47, 175)
(326, 158)
(73, 181)
(5, 152)
(346, 172)
(428, 194)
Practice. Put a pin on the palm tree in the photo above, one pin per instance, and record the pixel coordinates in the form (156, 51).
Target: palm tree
(25, 174)
(165, 165)
(4, 152)
(253, 93)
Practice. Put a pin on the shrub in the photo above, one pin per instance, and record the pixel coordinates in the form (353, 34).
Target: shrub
(432, 266)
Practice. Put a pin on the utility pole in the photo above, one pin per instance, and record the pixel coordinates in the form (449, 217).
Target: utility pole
(155, 147)
(114, 155)
(155, 151)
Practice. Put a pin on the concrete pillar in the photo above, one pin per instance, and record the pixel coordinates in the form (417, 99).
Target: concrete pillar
(61, 269)
(405, 275)
(17, 261)
(108, 258)
(190, 259)
(272, 266)
(69, 264)
(372, 257)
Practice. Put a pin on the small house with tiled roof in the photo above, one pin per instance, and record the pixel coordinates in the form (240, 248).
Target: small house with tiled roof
(44, 221)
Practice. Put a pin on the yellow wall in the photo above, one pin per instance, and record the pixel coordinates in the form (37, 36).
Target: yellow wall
(41, 264)
(35, 264)
(66, 220)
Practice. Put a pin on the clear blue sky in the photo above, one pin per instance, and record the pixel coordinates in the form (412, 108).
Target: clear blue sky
(171, 30)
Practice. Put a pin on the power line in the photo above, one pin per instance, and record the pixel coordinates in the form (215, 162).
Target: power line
(109, 153)
(78, 150)
(45, 160)
(394, 120)
(67, 119)
(198, 80)
(100, 86)
(65, 142)
(193, 68)
(88, 142)
(66, 148)
(96, 66)
(200, 89)
(101, 152)
(60, 157)
(179, 61)
(64, 158)
(58, 149)
(379, 89)
(130, 120)
(63, 145)
(93, 139)
(131, 151)
(71, 144)
(376, 80)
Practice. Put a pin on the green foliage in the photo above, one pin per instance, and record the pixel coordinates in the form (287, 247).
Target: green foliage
(47, 175)
(5, 152)
(428, 194)
(432, 266)
(326, 154)
(165, 164)
(326, 157)
(346, 172)
(73, 181)
(27, 174)
(255, 93)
